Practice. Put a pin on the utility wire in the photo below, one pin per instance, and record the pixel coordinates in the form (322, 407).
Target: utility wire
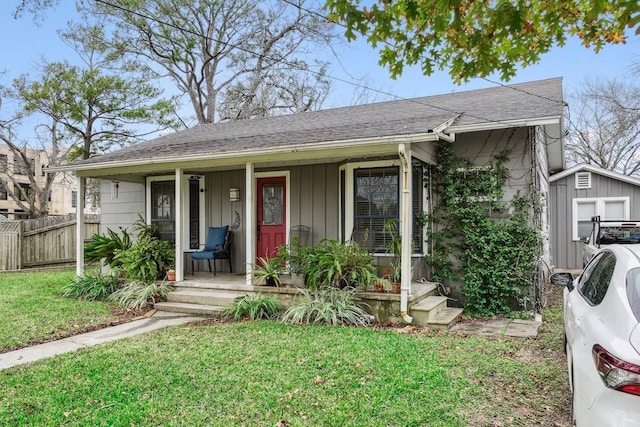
(294, 65)
(328, 19)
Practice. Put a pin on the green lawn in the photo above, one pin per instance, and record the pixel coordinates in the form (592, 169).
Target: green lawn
(265, 373)
(33, 310)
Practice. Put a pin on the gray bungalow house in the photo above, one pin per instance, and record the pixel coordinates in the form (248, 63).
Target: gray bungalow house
(579, 193)
(328, 174)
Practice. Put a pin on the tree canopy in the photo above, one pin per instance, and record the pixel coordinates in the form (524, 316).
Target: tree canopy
(233, 59)
(604, 126)
(471, 38)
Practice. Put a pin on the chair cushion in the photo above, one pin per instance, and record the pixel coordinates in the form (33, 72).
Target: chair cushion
(202, 255)
(215, 237)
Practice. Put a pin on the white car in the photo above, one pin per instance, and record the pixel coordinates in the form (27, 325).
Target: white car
(602, 332)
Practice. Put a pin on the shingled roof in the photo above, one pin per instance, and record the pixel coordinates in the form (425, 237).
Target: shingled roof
(495, 106)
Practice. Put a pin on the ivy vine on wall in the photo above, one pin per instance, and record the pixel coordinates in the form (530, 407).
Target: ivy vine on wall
(489, 244)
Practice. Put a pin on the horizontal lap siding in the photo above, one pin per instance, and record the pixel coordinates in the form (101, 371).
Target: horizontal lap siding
(123, 210)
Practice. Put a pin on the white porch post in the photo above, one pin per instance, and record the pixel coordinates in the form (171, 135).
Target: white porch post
(249, 212)
(405, 229)
(80, 227)
(179, 226)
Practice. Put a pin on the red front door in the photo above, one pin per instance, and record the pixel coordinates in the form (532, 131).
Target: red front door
(271, 215)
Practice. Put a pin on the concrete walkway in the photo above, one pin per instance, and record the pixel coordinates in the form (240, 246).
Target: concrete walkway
(506, 327)
(162, 319)
(42, 351)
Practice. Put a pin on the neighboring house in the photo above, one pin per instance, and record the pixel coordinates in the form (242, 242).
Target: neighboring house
(63, 190)
(579, 193)
(338, 172)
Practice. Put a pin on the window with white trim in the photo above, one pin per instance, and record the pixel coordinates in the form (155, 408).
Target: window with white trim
(370, 196)
(163, 209)
(162, 205)
(608, 208)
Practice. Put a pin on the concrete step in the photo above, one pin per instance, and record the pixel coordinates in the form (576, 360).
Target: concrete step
(181, 307)
(426, 308)
(445, 318)
(200, 296)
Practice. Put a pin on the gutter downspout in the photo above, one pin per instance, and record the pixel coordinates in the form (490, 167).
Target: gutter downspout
(405, 232)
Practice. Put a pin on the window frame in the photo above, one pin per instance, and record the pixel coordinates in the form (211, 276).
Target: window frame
(186, 235)
(600, 210)
(347, 198)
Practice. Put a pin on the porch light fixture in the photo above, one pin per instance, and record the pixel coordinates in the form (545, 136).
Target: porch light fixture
(234, 194)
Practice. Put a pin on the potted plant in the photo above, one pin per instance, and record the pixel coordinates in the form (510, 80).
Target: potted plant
(171, 275)
(268, 271)
(381, 284)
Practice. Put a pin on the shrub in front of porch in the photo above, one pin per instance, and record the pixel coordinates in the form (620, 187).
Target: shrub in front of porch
(136, 268)
(333, 264)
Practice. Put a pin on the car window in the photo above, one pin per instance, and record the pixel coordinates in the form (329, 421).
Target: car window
(596, 278)
(619, 234)
(633, 291)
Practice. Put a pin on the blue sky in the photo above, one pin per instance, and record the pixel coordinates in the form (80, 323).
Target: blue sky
(25, 44)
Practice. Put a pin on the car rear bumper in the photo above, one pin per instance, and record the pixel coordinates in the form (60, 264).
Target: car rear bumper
(611, 408)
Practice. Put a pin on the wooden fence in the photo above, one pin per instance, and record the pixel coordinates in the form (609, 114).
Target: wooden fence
(42, 242)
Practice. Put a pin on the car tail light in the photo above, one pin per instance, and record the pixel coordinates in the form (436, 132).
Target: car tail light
(616, 373)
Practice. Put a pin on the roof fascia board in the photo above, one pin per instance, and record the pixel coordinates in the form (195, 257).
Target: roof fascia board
(595, 169)
(501, 124)
(330, 149)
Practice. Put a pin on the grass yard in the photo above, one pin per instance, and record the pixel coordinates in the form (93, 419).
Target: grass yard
(268, 374)
(33, 310)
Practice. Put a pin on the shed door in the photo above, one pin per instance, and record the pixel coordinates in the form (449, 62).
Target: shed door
(271, 215)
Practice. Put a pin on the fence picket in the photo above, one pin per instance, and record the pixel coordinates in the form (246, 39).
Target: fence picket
(44, 241)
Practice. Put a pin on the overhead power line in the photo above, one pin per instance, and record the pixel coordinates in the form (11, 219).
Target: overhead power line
(317, 73)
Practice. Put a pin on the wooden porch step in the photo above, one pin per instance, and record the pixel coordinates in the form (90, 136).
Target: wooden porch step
(182, 307)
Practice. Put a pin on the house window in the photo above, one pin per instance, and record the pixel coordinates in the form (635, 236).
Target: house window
(74, 199)
(194, 212)
(583, 180)
(163, 209)
(608, 208)
(162, 205)
(23, 191)
(376, 192)
(3, 163)
(3, 192)
(20, 168)
(20, 214)
(370, 196)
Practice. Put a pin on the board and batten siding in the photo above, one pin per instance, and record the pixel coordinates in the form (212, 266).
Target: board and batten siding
(481, 148)
(565, 252)
(314, 203)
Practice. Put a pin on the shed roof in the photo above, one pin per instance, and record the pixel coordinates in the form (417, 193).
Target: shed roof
(584, 167)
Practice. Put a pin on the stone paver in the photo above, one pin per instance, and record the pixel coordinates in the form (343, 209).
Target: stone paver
(42, 351)
(507, 327)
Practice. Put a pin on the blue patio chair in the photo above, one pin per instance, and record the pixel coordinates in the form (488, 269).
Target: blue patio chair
(217, 246)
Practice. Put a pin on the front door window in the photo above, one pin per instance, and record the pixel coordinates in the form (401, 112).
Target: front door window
(163, 209)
